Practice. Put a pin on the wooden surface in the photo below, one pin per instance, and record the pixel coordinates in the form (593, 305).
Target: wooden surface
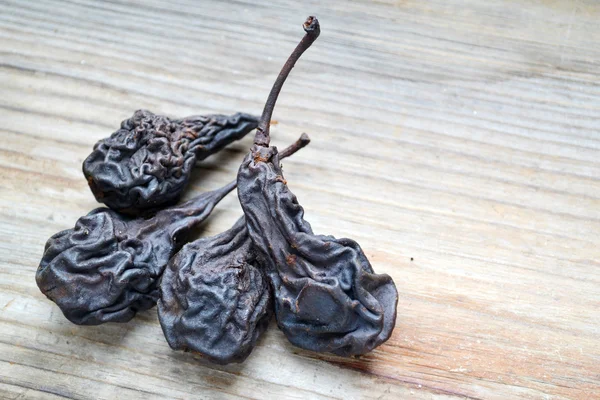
(458, 142)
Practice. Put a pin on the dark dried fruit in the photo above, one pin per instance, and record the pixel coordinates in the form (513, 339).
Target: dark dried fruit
(107, 267)
(147, 163)
(327, 297)
(215, 299)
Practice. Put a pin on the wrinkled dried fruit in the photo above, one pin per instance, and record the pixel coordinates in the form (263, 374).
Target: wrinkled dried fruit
(107, 267)
(327, 297)
(215, 299)
(147, 163)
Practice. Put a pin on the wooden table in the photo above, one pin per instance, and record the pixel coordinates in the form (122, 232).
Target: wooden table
(458, 142)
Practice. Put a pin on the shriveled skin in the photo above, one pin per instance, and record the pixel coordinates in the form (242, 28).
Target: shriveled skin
(215, 299)
(327, 297)
(147, 163)
(107, 267)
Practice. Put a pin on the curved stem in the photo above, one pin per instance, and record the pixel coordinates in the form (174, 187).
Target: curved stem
(312, 29)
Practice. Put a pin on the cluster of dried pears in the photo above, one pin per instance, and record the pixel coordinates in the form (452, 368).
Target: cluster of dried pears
(215, 295)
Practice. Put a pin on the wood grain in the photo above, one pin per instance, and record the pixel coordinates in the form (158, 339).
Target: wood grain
(457, 141)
